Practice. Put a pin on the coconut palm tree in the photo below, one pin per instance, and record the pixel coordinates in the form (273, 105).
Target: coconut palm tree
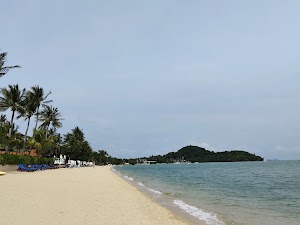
(75, 145)
(11, 98)
(40, 98)
(27, 110)
(50, 116)
(46, 145)
(103, 157)
(56, 140)
(4, 127)
(16, 138)
(4, 69)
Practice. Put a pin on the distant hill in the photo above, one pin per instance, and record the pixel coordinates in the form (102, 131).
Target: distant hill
(197, 154)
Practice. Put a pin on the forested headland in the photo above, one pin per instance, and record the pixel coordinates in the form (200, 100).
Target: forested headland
(194, 154)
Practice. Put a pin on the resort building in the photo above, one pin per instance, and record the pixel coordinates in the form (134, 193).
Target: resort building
(149, 162)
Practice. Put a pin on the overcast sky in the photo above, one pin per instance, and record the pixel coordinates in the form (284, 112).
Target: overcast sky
(148, 77)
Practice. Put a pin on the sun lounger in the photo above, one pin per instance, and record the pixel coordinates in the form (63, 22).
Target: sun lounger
(25, 168)
(53, 167)
(45, 167)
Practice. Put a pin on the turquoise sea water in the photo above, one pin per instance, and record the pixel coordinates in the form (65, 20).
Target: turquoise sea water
(262, 193)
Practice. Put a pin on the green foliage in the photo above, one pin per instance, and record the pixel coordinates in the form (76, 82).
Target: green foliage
(115, 161)
(45, 145)
(10, 159)
(3, 68)
(198, 154)
(103, 158)
(50, 116)
(4, 128)
(26, 104)
(76, 147)
(39, 97)
(11, 98)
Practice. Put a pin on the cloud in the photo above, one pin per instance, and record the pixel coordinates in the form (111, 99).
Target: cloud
(141, 80)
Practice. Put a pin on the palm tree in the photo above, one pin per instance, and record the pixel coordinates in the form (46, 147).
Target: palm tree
(15, 139)
(27, 110)
(4, 127)
(46, 145)
(50, 116)
(40, 98)
(4, 69)
(103, 157)
(11, 98)
(75, 146)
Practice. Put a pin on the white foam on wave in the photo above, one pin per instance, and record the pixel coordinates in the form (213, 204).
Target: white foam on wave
(117, 172)
(209, 218)
(155, 191)
(129, 178)
(141, 184)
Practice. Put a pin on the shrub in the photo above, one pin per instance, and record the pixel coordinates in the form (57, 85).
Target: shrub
(9, 159)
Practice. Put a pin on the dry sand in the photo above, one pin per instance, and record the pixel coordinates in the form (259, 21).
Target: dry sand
(83, 196)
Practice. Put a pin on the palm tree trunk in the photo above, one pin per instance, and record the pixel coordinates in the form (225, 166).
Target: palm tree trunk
(11, 123)
(10, 128)
(25, 138)
(37, 117)
(47, 131)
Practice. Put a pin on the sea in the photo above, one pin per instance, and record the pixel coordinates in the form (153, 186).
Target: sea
(231, 193)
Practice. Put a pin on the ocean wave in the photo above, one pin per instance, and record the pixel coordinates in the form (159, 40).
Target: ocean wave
(154, 191)
(141, 184)
(117, 172)
(129, 178)
(209, 218)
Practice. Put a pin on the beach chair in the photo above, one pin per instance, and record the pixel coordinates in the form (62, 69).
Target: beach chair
(53, 167)
(45, 167)
(24, 168)
(39, 167)
(30, 167)
(36, 166)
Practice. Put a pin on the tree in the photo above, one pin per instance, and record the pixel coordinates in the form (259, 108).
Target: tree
(40, 98)
(75, 146)
(45, 146)
(27, 110)
(103, 157)
(13, 142)
(4, 69)
(50, 116)
(4, 128)
(41, 143)
(11, 98)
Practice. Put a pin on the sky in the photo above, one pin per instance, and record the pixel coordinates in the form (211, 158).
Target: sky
(143, 78)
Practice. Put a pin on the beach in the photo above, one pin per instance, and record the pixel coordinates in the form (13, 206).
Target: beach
(88, 196)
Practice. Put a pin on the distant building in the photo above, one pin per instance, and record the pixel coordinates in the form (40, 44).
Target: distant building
(149, 162)
(61, 160)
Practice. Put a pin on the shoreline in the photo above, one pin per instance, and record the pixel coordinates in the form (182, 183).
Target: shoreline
(160, 199)
(74, 196)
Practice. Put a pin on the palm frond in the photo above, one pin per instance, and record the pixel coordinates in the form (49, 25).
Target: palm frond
(5, 69)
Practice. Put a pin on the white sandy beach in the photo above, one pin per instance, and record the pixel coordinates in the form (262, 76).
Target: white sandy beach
(83, 196)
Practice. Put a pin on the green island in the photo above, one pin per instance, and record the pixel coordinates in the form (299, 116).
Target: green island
(193, 154)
